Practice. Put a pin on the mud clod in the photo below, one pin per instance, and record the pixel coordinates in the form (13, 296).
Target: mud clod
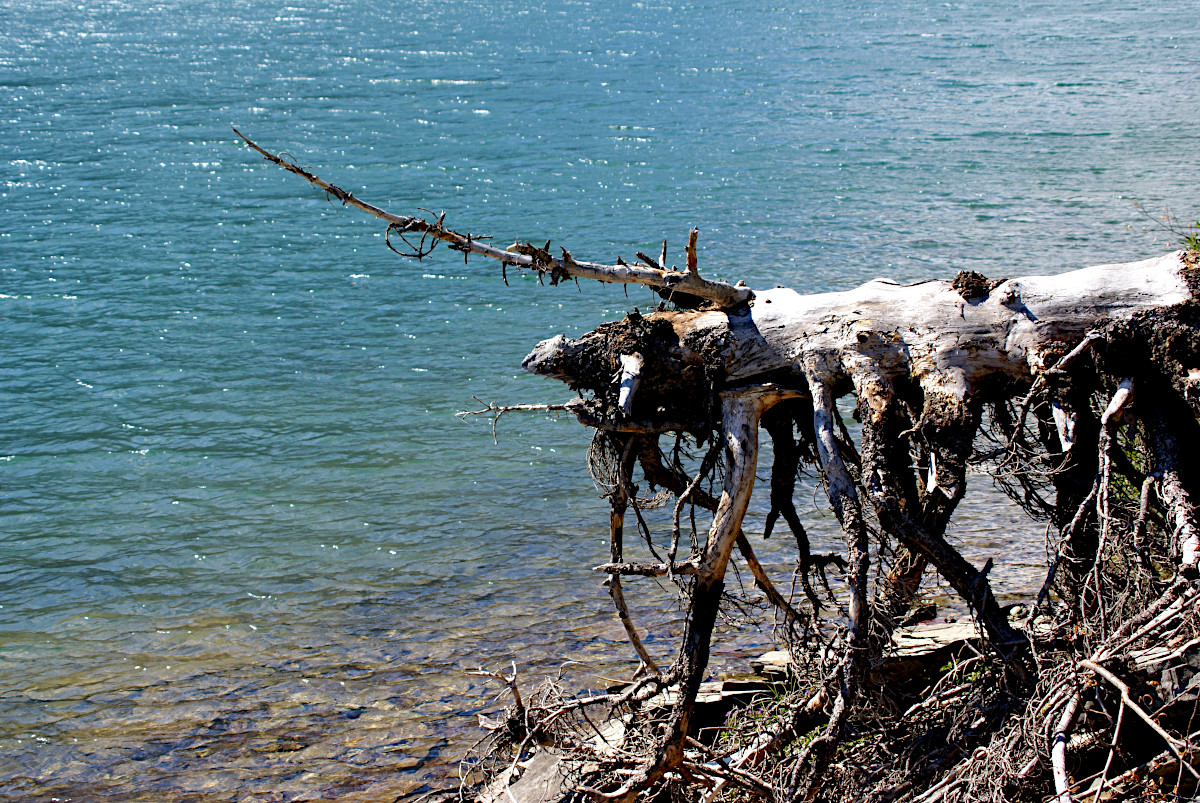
(971, 285)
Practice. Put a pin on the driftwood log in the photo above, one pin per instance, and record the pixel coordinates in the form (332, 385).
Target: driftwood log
(1079, 392)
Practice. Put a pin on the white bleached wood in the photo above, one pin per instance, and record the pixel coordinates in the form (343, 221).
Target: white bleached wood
(630, 375)
(931, 327)
(928, 332)
(1064, 422)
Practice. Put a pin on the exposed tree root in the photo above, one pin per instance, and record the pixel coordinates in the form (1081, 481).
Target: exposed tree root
(1024, 722)
(1079, 393)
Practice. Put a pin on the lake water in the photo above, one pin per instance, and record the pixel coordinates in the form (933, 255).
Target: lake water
(246, 549)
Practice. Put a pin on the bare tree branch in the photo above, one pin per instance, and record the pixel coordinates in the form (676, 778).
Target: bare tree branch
(528, 256)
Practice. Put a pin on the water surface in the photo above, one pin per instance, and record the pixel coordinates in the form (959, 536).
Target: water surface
(246, 549)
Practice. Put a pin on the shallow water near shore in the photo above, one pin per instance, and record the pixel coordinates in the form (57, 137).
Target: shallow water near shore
(246, 549)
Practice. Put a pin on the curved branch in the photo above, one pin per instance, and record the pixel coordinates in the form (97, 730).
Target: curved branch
(763, 581)
(843, 497)
(1171, 437)
(616, 522)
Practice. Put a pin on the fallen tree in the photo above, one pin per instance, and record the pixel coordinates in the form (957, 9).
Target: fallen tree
(1079, 392)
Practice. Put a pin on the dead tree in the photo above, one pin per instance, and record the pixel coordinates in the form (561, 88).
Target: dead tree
(1072, 389)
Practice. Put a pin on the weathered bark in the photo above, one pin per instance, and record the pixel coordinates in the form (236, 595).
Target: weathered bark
(881, 336)
(1074, 446)
(741, 412)
(923, 351)
(1174, 433)
(654, 273)
(922, 361)
(619, 503)
(844, 499)
(925, 333)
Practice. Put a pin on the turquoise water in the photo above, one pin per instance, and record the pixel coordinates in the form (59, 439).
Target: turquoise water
(246, 549)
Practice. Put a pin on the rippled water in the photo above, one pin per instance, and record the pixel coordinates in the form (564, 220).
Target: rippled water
(246, 550)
